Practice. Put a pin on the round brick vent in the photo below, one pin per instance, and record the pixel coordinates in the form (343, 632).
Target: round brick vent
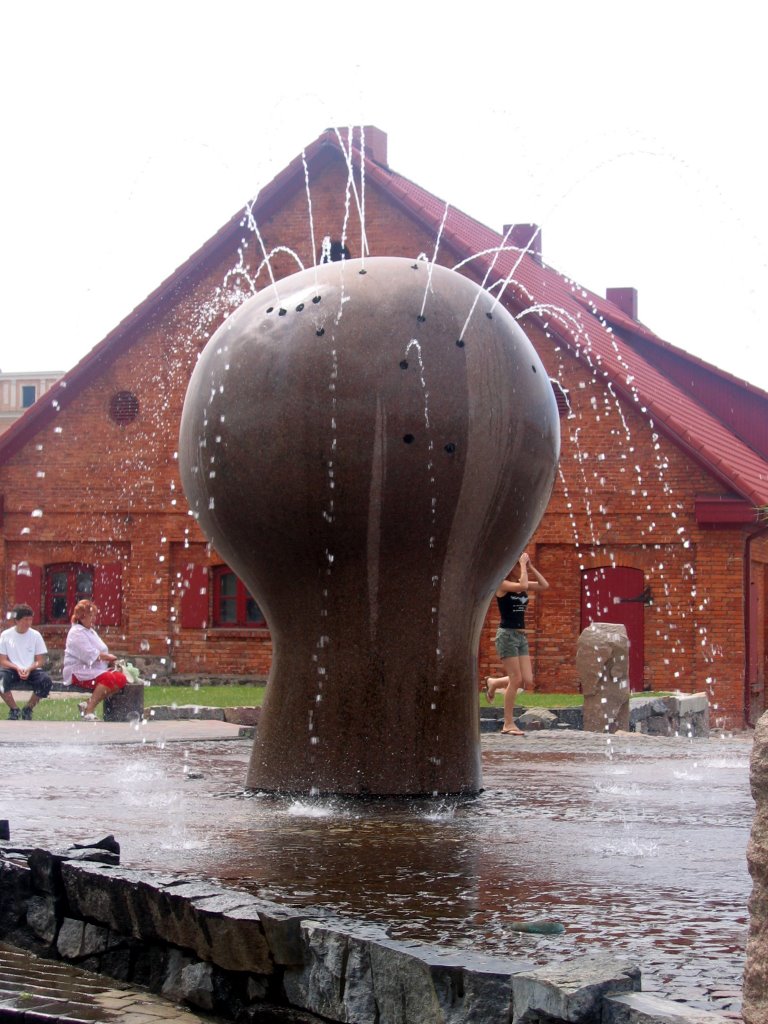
(123, 407)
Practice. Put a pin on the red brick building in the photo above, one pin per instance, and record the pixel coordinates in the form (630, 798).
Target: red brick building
(653, 518)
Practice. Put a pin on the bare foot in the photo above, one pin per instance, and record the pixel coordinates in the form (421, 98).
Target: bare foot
(489, 690)
(514, 731)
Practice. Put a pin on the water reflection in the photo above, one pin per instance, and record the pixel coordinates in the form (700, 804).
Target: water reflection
(639, 854)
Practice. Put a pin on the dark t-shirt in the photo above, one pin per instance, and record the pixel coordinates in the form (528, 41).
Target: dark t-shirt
(512, 609)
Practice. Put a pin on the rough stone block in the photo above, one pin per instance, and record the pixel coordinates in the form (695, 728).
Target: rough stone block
(644, 1008)
(355, 973)
(107, 842)
(755, 1007)
(197, 985)
(490, 724)
(242, 716)
(282, 927)
(41, 917)
(602, 666)
(215, 923)
(660, 725)
(572, 991)
(45, 866)
(184, 712)
(70, 940)
(94, 856)
(77, 939)
(172, 987)
(691, 703)
(336, 981)
(126, 705)
(537, 718)
(15, 890)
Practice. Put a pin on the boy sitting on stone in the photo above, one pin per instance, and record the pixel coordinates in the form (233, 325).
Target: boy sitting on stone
(22, 655)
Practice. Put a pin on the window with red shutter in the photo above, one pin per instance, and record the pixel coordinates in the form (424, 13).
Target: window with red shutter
(65, 584)
(233, 605)
(28, 588)
(108, 593)
(194, 597)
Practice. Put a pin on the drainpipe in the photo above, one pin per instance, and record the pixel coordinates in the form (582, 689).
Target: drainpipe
(748, 625)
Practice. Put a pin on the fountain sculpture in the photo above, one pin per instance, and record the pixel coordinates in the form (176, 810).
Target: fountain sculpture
(369, 445)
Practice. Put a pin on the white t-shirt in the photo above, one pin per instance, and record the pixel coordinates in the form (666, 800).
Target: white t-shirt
(21, 648)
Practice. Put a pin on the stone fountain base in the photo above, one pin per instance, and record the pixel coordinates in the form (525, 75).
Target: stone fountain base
(241, 957)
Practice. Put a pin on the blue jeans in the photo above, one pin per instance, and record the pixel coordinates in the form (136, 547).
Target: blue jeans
(38, 681)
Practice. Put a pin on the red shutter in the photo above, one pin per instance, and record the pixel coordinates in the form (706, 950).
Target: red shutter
(29, 588)
(194, 597)
(108, 593)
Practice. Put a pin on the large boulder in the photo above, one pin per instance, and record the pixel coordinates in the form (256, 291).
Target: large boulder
(602, 665)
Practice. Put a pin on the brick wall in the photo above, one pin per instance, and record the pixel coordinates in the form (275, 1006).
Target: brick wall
(624, 494)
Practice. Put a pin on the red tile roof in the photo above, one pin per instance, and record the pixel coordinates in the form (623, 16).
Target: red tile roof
(623, 351)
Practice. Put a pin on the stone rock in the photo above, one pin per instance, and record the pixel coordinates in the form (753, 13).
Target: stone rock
(41, 917)
(15, 890)
(282, 927)
(755, 1007)
(336, 981)
(93, 855)
(197, 985)
(150, 964)
(70, 940)
(643, 1008)
(216, 924)
(172, 987)
(355, 973)
(126, 705)
(115, 963)
(104, 843)
(537, 718)
(602, 665)
(184, 712)
(659, 725)
(242, 716)
(78, 939)
(45, 866)
(570, 992)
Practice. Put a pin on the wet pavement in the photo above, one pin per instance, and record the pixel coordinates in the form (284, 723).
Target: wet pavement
(33, 989)
(636, 845)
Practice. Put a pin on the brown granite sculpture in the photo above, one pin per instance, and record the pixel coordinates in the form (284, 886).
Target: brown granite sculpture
(369, 445)
(755, 1010)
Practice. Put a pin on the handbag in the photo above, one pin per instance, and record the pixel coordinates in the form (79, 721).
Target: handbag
(129, 670)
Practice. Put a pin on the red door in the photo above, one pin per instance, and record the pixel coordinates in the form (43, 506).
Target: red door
(617, 594)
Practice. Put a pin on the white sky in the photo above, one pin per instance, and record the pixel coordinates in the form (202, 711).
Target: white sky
(633, 133)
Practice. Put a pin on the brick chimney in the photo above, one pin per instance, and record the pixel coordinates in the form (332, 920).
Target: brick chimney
(375, 141)
(625, 299)
(525, 236)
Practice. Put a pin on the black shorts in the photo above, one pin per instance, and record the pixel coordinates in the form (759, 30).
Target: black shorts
(38, 681)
